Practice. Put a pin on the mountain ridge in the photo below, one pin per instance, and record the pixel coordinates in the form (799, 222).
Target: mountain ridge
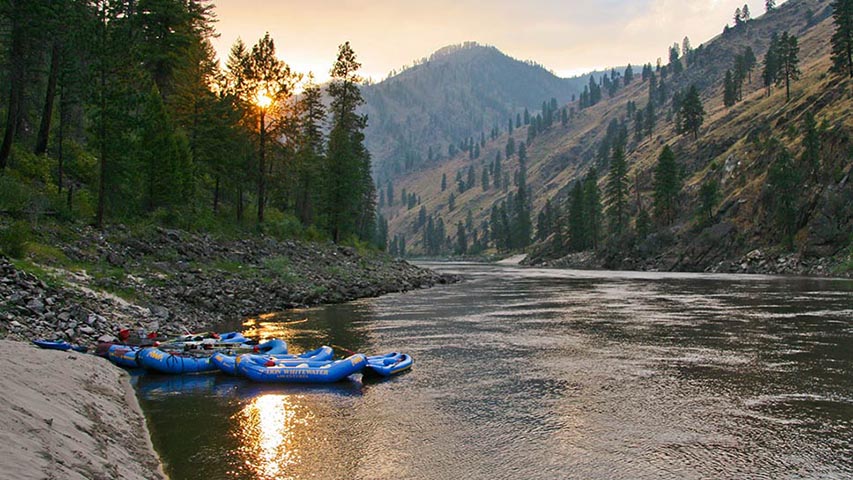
(729, 149)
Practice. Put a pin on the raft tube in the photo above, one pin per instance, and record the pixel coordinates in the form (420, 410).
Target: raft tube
(226, 361)
(299, 371)
(124, 356)
(388, 364)
(59, 345)
(174, 363)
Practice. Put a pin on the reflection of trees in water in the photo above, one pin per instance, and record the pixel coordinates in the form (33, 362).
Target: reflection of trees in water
(335, 325)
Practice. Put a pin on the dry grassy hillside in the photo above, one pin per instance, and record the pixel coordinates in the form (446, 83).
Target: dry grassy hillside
(728, 147)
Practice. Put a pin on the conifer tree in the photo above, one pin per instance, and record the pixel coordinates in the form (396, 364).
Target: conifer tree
(789, 62)
(443, 182)
(484, 180)
(708, 198)
(617, 194)
(692, 113)
(592, 209)
(629, 75)
(783, 185)
(461, 239)
(667, 185)
(749, 62)
(650, 118)
(729, 90)
(350, 197)
(842, 38)
(769, 5)
(811, 148)
(469, 183)
(578, 235)
(770, 73)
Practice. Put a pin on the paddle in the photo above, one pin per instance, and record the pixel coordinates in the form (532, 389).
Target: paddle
(345, 350)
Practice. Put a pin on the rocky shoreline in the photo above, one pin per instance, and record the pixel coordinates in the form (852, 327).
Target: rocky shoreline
(92, 283)
(757, 261)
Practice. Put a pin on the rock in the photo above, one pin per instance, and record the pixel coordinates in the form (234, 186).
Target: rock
(159, 312)
(87, 330)
(107, 339)
(36, 305)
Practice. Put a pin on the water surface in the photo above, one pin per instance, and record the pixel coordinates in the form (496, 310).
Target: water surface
(542, 374)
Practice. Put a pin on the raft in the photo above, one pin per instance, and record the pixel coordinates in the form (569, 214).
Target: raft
(59, 345)
(388, 364)
(299, 371)
(158, 360)
(226, 361)
(124, 356)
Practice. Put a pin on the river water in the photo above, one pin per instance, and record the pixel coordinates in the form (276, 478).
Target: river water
(541, 374)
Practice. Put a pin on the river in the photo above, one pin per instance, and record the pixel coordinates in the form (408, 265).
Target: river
(541, 374)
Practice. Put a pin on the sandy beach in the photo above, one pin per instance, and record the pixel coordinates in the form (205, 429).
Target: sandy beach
(66, 415)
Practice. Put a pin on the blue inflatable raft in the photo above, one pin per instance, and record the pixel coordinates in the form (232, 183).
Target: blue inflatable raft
(260, 369)
(226, 361)
(388, 364)
(59, 345)
(158, 360)
(124, 356)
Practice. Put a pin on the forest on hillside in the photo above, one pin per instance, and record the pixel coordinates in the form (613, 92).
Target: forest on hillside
(118, 111)
(742, 142)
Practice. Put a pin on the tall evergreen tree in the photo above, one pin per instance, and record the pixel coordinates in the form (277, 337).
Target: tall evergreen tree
(617, 194)
(692, 113)
(708, 193)
(811, 148)
(842, 38)
(789, 62)
(667, 185)
(783, 187)
(349, 194)
(770, 73)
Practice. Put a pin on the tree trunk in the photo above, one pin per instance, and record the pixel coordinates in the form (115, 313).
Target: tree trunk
(16, 92)
(216, 196)
(60, 159)
(262, 172)
(47, 112)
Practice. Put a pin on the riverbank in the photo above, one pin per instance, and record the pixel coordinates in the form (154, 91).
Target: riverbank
(71, 416)
(81, 284)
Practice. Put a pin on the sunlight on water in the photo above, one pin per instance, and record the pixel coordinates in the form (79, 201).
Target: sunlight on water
(271, 428)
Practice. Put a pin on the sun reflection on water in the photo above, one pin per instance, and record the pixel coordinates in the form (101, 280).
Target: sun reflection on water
(271, 428)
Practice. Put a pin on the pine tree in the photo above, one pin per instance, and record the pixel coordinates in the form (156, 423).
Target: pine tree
(443, 182)
(708, 198)
(461, 239)
(749, 62)
(470, 182)
(744, 13)
(592, 209)
(770, 73)
(629, 75)
(578, 234)
(842, 38)
(349, 193)
(667, 185)
(692, 113)
(789, 62)
(811, 148)
(650, 118)
(769, 5)
(484, 180)
(617, 194)
(729, 90)
(783, 187)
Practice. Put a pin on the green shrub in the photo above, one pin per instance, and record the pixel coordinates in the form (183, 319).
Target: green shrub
(13, 239)
(284, 226)
(15, 196)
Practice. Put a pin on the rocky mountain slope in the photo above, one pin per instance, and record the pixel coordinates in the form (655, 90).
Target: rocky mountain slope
(731, 148)
(458, 92)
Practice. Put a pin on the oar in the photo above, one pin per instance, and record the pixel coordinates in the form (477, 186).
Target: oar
(345, 350)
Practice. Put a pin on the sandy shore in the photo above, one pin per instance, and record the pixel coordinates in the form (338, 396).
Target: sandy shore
(66, 415)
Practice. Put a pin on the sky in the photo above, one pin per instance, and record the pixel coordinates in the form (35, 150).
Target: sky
(566, 36)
